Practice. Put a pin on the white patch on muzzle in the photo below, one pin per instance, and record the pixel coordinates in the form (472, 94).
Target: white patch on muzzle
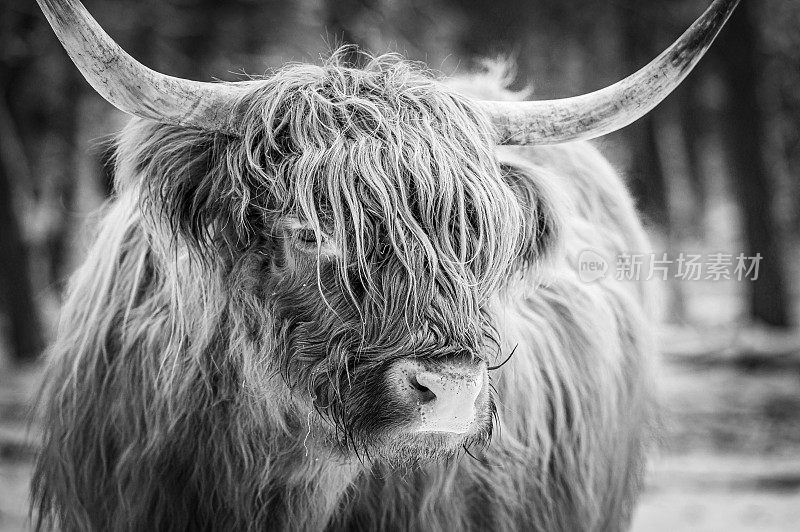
(453, 408)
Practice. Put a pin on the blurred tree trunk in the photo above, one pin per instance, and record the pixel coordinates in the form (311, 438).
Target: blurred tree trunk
(17, 303)
(339, 22)
(199, 42)
(647, 178)
(495, 28)
(738, 53)
(23, 332)
(646, 175)
(693, 117)
(60, 192)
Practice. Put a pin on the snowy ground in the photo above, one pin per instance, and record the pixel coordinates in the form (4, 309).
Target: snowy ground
(730, 460)
(17, 389)
(731, 456)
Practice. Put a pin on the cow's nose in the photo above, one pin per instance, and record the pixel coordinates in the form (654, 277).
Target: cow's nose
(444, 396)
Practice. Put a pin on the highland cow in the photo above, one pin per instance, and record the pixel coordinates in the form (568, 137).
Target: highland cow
(327, 299)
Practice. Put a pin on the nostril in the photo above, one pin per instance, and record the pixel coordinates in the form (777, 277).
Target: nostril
(425, 394)
(441, 397)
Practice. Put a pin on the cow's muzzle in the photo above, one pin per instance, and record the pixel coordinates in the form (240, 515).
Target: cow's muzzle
(445, 396)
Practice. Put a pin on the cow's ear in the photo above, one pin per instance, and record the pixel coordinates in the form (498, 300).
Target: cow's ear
(541, 205)
(185, 183)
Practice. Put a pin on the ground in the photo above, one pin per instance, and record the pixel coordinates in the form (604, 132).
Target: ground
(17, 390)
(730, 459)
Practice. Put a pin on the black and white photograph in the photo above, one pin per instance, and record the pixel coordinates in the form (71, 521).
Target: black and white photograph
(400, 265)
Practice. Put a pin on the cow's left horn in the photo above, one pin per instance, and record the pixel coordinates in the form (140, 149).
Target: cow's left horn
(131, 86)
(614, 107)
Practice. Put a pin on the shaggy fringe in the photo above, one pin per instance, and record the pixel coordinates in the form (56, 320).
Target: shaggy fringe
(170, 404)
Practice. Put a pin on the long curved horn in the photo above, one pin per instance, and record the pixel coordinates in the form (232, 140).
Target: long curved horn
(614, 107)
(131, 86)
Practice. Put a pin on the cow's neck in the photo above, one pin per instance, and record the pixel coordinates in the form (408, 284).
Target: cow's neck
(308, 487)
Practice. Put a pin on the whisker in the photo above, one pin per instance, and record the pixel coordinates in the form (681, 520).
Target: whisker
(466, 450)
(511, 354)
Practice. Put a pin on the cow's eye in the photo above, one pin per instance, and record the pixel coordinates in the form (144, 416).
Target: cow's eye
(310, 242)
(306, 237)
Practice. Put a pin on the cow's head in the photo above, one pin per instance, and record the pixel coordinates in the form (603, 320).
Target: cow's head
(363, 214)
(391, 230)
